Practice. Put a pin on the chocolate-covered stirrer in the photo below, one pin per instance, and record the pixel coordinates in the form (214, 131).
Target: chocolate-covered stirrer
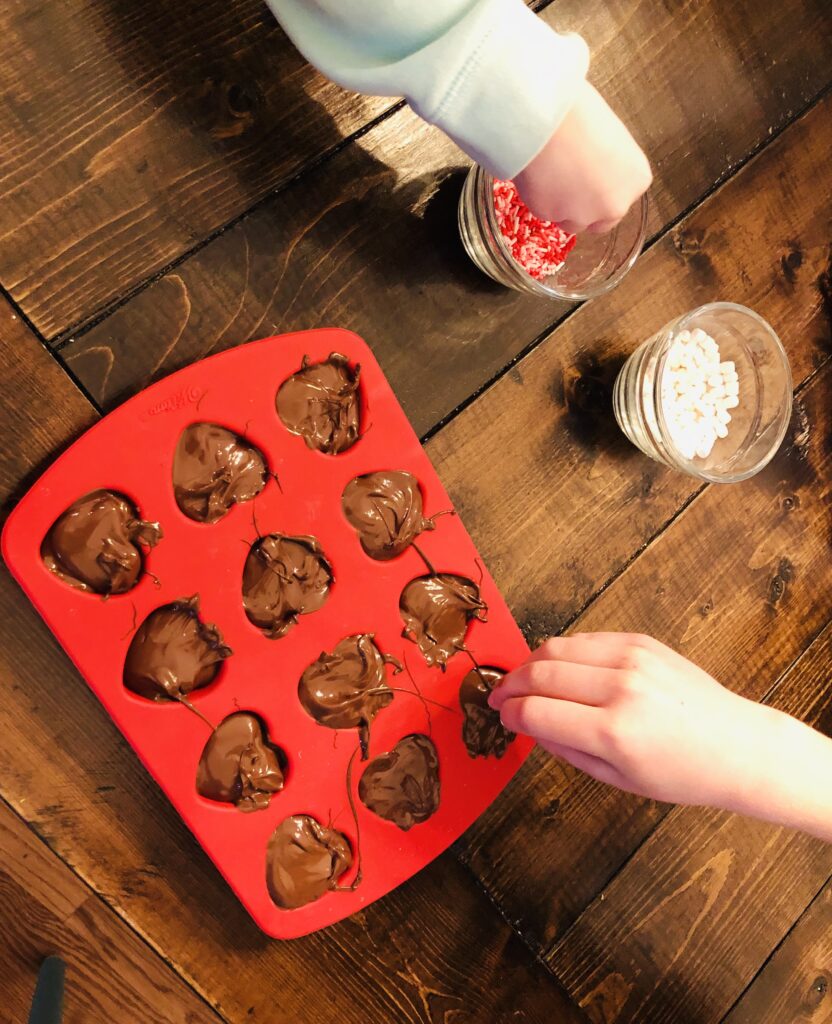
(483, 732)
(354, 884)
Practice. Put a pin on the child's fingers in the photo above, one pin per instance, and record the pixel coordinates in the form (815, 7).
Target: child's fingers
(572, 227)
(555, 721)
(585, 684)
(597, 767)
(606, 650)
(601, 227)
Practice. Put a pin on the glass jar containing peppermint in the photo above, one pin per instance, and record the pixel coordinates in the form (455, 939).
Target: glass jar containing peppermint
(709, 394)
(507, 242)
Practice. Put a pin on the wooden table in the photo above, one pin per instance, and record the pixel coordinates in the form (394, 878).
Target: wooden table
(174, 185)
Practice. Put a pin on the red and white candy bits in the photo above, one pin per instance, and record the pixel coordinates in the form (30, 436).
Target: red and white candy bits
(540, 247)
(697, 392)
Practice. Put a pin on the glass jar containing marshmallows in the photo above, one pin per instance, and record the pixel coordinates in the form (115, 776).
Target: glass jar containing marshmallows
(709, 394)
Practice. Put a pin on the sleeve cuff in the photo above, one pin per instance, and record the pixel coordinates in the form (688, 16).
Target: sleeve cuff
(514, 85)
(498, 80)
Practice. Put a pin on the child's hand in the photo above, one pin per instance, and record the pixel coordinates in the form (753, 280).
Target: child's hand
(631, 712)
(590, 172)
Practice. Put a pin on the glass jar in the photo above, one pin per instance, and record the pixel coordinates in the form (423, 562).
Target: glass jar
(595, 265)
(759, 420)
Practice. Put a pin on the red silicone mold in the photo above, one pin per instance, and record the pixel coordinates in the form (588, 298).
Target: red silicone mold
(131, 451)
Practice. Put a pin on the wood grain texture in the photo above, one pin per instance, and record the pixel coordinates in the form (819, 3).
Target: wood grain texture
(111, 974)
(54, 411)
(682, 930)
(795, 983)
(369, 240)
(566, 502)
(433, 951)
(131, 131)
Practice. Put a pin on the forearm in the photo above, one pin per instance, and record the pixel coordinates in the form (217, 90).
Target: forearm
(791, 783)
(490, 73)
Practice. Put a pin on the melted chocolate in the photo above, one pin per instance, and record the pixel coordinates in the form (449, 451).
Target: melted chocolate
(304, 861)
(482, 731)
(239, 766)
(320, 403)
(284, 577)
(94, 544)
(173, 652)
(402, 786)
(346, 689)
(385, 509)
(436, 610)
(214, 468)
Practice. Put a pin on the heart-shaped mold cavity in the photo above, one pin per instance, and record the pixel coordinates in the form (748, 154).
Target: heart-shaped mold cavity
(483, 734)
(94, 544)
(213, 469)
(402, 785)
(346, 689)
(239, 765)
(320, 403)
(385, 509)
(436, 610)
(284, 577)
(304, 860)
(174, 652)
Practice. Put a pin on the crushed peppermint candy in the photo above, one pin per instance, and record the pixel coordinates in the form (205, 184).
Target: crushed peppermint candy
(540, 247)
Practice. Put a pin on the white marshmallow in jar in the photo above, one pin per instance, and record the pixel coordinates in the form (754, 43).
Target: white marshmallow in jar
(709, 394)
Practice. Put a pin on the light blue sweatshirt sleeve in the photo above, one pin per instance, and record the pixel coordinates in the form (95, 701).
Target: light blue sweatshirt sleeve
(489, 73)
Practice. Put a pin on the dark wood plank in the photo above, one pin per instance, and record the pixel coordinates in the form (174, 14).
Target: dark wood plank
(369, 240)
(795, 984)
(684, 927)
(566, 502)
(131, 131)
(434, 950)
(111, 974)
(53, 412)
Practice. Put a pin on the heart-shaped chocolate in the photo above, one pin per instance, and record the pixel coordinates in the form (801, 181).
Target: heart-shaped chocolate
(320, 403)
(284, 577)
(402, 785)
(304, 860)
(436, 610)
(238, 764)
(94, 544)
(385, 509)
(173, 652)
(346, 689)
(212, 469)
(483, 734)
